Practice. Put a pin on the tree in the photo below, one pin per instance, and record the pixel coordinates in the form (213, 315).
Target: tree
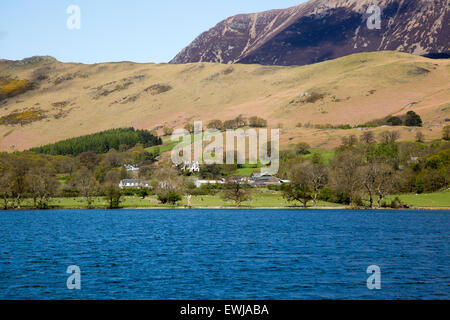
(230, 124)
(413, 119)
(114, 159)
(241, 121)
(215, 124)
(189, 127)
(142, 193)
(367, 137)
(19, 184)
(87, 185)
(42, 183)
(5, 183)
(385, 183)
(420, 137)
(167, 131)
(111, 189)
(349, 141)
(166, 180)
(394, 121)
(345, 179)
(446, 133)
(319, 178)
(102, 142)
(368, 175)
(88, 159)
(173, 198)
(112, 195)
(374, 178)
(257, 122)
(300, 187)
(389, 136)
(237, 190)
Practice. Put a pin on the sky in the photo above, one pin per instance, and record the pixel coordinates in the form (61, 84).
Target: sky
(131, 30)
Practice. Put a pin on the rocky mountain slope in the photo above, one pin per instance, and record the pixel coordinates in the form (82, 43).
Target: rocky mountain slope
(44, 101)
(320, 30)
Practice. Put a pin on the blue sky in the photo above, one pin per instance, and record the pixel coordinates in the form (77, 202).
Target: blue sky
(132, 30)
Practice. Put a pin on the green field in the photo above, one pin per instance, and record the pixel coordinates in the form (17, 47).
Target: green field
(326, 155)
(261, 198)
(166, 146)
(437, 199)
(247, 170)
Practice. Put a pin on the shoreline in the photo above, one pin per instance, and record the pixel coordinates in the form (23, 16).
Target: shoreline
(241, 208)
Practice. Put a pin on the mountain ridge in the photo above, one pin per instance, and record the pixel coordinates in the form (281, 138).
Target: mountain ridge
(320, 30)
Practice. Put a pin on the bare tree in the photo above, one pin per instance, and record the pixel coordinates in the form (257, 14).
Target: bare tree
(319, 178)
(42, 184)
(241, 121)
(167, 181)
(345, 178)
(420, 137)
(386, 182)
(367, 137)
(114, 159)
(215, 124)
(300, 187)
(389, 136)
(167, 131)
(236, 190)
(111, 189)
(19, 183)
(5, 183)
(349, 141)
(369, 176)
(87, 185)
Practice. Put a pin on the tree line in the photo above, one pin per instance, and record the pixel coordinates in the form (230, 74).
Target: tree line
(88, 175)
(101, 142)
(365, 171)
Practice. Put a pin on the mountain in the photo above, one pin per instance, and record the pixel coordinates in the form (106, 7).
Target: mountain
(321, 30)
(43, 100)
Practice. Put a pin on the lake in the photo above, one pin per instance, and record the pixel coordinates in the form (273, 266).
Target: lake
(224, 254)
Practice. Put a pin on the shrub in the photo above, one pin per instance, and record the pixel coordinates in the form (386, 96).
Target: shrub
(144, 192)
(158, 89)
(11, 87)
(326, 195)
(170, 198)
(314, 97)
(302, 148)
(23, 117)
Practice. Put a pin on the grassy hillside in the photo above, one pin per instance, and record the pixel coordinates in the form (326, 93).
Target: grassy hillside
(70, 100)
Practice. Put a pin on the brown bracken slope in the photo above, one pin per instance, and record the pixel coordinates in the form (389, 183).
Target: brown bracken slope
(44, 100)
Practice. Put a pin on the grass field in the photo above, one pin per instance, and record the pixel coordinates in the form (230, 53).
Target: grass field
(326, 155)
(437, 199)
(166, 146)
(261, 198)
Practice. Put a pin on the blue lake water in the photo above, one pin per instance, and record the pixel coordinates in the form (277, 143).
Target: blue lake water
(224, 254)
